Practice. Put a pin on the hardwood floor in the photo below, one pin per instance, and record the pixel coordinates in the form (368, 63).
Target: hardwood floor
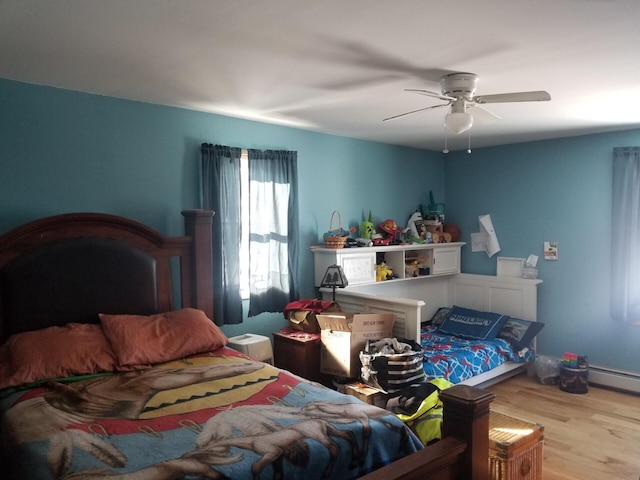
(586, 436)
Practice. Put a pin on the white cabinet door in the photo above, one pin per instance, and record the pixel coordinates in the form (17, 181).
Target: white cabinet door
(446, 260)
(359, 267)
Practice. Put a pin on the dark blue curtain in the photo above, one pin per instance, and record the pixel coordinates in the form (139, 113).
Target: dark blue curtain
(273, 233)
(273, 229)
(221, 193)
(625, 243)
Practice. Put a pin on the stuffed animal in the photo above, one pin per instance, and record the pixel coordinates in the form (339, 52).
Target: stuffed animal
(383, 272)
(367, 229)
(411, 269)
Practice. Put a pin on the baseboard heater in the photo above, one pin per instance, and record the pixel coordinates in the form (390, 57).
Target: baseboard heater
(618, 379)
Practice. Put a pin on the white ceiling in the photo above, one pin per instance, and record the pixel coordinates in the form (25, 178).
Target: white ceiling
(341, 66)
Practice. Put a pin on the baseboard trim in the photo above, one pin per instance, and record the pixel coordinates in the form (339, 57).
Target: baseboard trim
(616, 379)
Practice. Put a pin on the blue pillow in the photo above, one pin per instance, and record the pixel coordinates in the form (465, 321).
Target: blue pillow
(520, 333)
(467, 323)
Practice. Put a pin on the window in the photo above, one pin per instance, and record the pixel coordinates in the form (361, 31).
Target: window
(254, 196)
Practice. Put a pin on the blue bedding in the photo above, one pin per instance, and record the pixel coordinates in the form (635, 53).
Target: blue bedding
(457, 359)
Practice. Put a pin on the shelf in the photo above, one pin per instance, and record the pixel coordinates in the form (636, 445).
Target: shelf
(358, 263)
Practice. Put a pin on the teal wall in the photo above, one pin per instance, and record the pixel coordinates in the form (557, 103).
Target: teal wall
(64, 151)
(556, 190)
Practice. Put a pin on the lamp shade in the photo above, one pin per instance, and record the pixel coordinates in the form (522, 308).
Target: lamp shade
(458, 122)
(334, 278)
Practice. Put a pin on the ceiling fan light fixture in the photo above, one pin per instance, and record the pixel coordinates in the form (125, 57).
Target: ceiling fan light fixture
(458, 122)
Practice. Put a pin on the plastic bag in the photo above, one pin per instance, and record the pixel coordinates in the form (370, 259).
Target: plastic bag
(547, 370)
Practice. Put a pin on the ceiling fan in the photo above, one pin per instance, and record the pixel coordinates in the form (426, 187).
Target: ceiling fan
(458, 90)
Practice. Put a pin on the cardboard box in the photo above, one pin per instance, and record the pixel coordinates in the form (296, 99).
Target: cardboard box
(343, 336)
(303, 317)
(367, 394)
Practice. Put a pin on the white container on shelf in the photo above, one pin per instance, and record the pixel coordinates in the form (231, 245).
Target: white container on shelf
(510, 267)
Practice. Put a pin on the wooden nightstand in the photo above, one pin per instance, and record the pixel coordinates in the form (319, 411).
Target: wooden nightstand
(299, 353)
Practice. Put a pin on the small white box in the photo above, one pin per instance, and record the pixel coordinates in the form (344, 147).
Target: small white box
(255, 346)
(510, 267)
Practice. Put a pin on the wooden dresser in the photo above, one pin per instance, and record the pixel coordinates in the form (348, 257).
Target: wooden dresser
(299, 352)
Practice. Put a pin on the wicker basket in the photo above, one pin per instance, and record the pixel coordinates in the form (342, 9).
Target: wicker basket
(335, 238)
(515, 448)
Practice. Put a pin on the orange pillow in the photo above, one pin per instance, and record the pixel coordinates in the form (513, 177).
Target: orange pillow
(55, 352)
(141, 340)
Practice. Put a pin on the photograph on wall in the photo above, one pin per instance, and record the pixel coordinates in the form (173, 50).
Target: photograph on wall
(551, 250)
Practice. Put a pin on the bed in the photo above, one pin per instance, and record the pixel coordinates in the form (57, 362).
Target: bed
(414, 303)
(112, 368)
(462, 344)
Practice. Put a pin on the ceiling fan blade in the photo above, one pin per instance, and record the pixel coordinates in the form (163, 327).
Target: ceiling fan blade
(355, 83)
(367, 56)
(482, 114)
(537, 96)
(429, 93)
(378, 63)
(415, 111)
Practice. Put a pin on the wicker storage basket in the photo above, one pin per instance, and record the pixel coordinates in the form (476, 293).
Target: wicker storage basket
(335, 238)
(515, 448)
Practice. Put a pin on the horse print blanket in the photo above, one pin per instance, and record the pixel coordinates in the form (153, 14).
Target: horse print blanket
(217, 415)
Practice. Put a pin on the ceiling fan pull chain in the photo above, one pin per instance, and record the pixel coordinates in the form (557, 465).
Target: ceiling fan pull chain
(446, 150)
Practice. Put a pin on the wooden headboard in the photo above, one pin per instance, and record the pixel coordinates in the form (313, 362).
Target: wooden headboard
(70, 267)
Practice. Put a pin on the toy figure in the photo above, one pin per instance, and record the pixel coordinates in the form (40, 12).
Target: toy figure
(367, 229)
(392, 230)
(383, 272)
(417, 227)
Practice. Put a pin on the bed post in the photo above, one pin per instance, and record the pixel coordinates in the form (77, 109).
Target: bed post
(463, 452)
(466, 416)
(197, 225)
